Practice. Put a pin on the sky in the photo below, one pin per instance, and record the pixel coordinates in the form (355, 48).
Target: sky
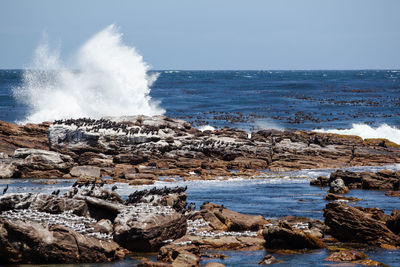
(214, 34)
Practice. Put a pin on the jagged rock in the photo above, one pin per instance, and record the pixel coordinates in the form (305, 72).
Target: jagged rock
(284, 236)
(13, 136)
(338, 187)
(331, 196)
(269, 259)
(186, 259)
(320, 181)
(139, 231)
(349, 224)
(168, 253)
(42, 163)
(153, 264)
(53, 244)
(382, 180)
(221, 218)
(347, 255)
(393, 223)
(85, 171)
(7, 170)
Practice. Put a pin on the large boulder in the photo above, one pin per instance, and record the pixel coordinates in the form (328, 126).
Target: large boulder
(350, 224)
(284, 236)
(145, 228)
(30, 242)
(338, 187)
(42, 163)
(7, 170)
(85, 172)
(221, 218)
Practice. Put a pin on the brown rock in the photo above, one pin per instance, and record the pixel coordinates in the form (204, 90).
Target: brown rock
(186, 259)
(221, 218)
(350, 224)
(320, 181)
(55, 244)
(347, 255)
(331, 196)
(283, 236)
(146, 232)
(214, 264)
(85, 172)
(153, 264)
(269, 259)
(393, 223)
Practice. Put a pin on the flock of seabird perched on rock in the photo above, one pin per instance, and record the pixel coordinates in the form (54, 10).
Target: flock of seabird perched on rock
(128, 128)
(67, 219)
(139, 196)
(194, 228)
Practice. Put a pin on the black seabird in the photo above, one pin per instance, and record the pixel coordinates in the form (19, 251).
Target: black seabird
(5, 190)
(114, 188)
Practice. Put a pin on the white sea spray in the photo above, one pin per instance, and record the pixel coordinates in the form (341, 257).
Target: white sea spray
(366, 131)
(106, 78)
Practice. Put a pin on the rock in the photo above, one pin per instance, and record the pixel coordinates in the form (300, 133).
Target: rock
(346, 255)
(186, 260)
(146, 231)
(393, 223)
(382, 180)
(284, 236)
(338, 187)
(41, 202)
(349, 224)
(104, 226)
(392, 193)
(221, 218)
(214, 264)
(53, 244)
(42, 163)
(7, 170)
(331, 196)
(269, 259)
(320, 181)
(13, 136)
(153, 264)
(85, 172)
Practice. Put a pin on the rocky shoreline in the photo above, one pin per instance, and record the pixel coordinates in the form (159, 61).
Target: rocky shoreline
(140, 149)
(90, 224)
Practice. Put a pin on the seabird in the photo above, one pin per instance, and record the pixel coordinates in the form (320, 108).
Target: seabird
(114, 188)
(5, 190)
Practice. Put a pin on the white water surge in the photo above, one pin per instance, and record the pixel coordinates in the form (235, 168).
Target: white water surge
(106, 78)
(366, 131)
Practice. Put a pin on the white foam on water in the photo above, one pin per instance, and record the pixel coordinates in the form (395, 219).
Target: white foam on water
(206, 128)
(106, 78)
(366, 131)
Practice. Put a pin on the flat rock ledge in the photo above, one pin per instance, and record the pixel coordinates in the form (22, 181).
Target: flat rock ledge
(140, 149)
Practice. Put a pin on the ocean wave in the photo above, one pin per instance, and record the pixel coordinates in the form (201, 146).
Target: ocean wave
(206, 128)
(107, 78)
(366, 131)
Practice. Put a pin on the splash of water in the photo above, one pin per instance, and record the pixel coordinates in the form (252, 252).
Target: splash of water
(366, 131)
(108, 78)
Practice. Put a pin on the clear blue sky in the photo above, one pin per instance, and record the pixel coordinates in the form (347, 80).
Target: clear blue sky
(215, 34)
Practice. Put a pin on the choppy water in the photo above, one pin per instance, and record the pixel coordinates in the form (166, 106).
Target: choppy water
(275, 195)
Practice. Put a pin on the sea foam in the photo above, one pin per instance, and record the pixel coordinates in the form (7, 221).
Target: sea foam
(106, 78)
(366, 131)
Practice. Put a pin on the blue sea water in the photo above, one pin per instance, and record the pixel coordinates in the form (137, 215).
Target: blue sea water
(260, 99)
